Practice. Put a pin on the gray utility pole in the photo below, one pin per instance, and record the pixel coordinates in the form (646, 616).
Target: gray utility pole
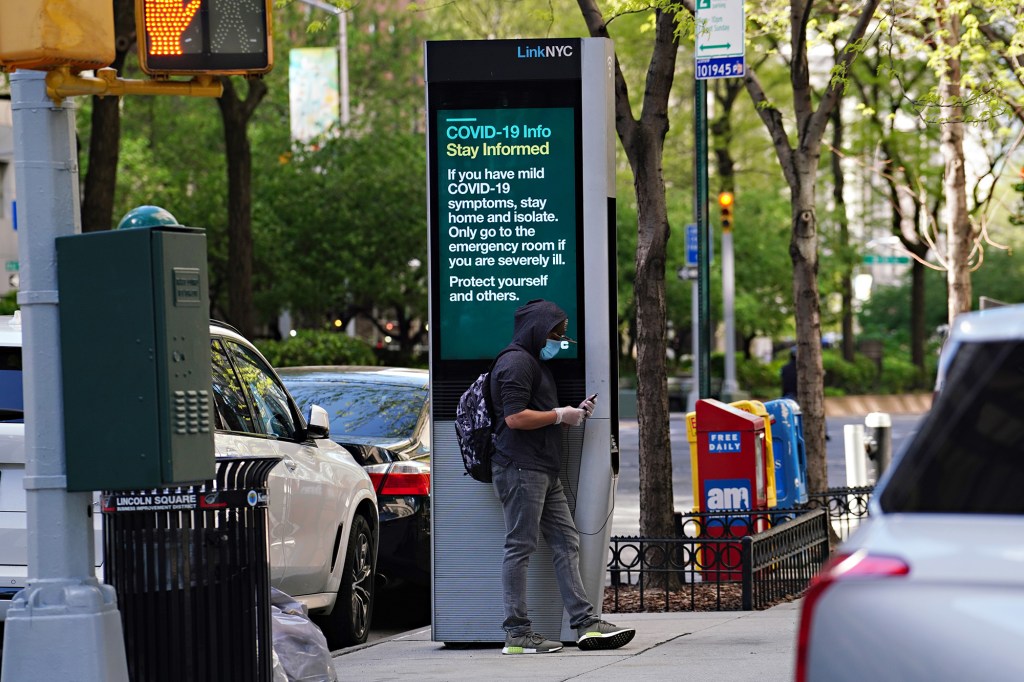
(729, 385)
(65, 624)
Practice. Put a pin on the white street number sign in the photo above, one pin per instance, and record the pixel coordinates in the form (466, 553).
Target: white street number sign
(720, 39)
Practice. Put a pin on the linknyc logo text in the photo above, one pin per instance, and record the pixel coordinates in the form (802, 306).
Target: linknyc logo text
(543, 51)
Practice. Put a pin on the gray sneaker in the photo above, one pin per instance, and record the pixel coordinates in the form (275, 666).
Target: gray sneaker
(603, 635)
(530, 644)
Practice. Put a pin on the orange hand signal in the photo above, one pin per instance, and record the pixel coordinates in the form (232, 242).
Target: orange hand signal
(166, 20)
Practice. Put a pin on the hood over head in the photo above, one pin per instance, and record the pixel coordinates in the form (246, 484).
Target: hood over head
(534, 321)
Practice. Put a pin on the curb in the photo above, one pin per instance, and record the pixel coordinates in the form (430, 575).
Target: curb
(911, 403)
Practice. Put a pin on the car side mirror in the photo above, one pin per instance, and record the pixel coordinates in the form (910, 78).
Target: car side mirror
(318, 423)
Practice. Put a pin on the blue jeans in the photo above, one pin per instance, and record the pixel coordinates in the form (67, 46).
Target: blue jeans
(534, 502)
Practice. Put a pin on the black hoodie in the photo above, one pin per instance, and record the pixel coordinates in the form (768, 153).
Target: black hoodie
(520, 380)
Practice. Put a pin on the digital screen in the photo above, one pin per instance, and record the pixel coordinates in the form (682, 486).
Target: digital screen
(208, 36)
(506, 223)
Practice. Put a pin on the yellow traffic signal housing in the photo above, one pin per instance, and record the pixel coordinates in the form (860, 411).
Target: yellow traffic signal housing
(185, 37)
(725, 204)
(46, 34)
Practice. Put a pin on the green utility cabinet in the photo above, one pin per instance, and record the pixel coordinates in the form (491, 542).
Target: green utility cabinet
(135, 354)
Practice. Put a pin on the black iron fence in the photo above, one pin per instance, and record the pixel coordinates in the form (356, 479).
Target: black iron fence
(720, 561)
(739, 560)
(846, 507)
(780, 562)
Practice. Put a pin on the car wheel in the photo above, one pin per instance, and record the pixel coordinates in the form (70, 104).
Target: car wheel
(349, 621)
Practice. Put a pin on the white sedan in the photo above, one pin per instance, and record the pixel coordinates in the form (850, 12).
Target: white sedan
(324, 525)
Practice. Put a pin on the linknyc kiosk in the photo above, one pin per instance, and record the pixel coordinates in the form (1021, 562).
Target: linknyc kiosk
(520, 147)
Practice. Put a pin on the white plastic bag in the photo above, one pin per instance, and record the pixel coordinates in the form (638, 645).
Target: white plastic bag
(299, 646)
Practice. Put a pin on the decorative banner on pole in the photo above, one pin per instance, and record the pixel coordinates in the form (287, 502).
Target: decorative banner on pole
(720, 39)
(313, 94)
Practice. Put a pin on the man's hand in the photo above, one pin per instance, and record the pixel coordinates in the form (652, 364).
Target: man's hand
(588, 406)
(571, 416)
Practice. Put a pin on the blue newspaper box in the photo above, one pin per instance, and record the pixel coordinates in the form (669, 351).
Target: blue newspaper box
(789, 452)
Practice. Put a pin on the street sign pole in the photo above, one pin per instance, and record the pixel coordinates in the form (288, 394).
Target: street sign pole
(692, 262)
(64, 625)
(702, 362)
(720, 41)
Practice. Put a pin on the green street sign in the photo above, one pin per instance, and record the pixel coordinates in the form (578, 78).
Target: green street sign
(872, 259)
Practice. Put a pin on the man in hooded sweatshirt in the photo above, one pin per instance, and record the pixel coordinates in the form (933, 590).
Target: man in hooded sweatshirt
(525, 466)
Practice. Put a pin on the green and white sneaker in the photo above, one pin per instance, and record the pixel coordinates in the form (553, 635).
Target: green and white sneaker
(530, 644)
(603, 635)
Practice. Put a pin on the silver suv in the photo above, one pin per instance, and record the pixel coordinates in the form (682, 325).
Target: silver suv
(323, 510)
(931, 586)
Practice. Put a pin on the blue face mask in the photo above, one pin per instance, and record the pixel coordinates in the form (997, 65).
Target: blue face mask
(550, 349)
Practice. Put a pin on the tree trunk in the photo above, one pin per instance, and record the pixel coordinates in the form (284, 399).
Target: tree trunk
(803, 250)
(799, 166)
(959, 235)
(917, 332)
(236, 114)
(918, 247)
(643, 141)
(105, 134)
(846, 291)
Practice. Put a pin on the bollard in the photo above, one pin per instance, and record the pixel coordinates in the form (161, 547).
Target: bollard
(880, 435)
(856, 460)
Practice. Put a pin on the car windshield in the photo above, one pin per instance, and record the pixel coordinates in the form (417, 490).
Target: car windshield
(968, 456)
(12, 405)
(385, 411)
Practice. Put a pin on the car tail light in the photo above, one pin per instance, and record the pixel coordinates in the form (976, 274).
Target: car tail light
(400, 478)
(843, 567)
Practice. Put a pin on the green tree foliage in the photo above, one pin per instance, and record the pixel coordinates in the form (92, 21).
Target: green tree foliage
(173, 155)
(9, 303)
(346, 221)
(313, 347)
(764, 291)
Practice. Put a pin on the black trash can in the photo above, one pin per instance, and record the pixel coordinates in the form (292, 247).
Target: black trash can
(192, 576)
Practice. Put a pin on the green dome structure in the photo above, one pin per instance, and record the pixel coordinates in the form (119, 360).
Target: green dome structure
(147, 216)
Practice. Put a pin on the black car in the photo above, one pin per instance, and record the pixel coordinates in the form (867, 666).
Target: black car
(382, 416)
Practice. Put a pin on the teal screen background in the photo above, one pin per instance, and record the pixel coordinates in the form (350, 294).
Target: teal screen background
(502, 173)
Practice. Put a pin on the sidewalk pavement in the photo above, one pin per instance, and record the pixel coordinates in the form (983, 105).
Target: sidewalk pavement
(712, 645)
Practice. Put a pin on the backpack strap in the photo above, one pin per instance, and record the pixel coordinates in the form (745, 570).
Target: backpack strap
(491, 369)
(495, 361)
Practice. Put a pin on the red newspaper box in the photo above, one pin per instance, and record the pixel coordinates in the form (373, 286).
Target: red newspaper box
(731, 477)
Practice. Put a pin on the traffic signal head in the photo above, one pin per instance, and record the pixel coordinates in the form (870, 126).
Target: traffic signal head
(725, 203)
(184, 37)
(43, 35)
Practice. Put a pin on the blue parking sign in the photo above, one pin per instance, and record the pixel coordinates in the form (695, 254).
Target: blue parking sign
(691, 245)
